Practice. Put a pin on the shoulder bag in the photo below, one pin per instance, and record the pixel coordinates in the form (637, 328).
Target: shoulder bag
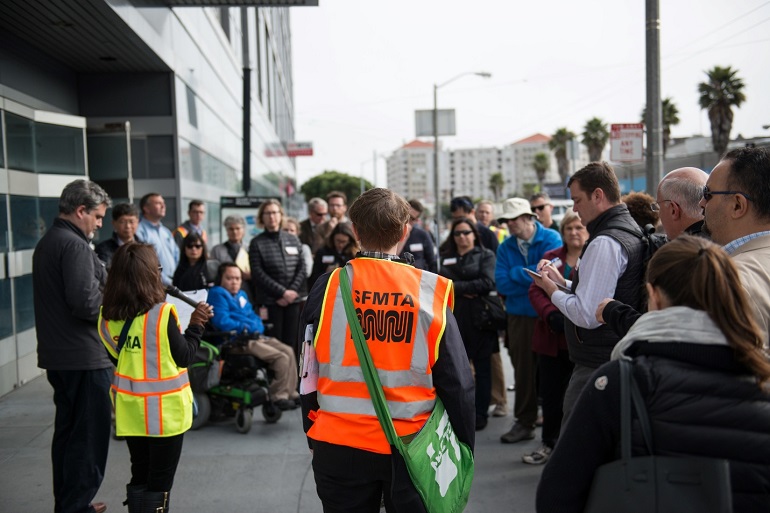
(439, 465)
(647, 484)
(489, 312)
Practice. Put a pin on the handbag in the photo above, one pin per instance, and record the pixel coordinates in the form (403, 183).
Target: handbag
(646, 484)
(206, 369)
(439, 465)
(489, 312)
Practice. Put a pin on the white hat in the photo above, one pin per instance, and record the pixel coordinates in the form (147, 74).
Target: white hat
(515, 207)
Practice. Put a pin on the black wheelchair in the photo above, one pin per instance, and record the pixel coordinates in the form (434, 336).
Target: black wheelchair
(228, 382)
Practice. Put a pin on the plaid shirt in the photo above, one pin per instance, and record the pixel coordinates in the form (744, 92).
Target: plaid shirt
(731, 247)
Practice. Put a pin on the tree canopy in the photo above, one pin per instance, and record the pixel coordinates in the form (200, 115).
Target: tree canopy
(718, 94)
(320, 185)
(670, 115)
(595, 137)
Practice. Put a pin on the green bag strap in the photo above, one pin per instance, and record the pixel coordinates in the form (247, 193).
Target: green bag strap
(373, 383)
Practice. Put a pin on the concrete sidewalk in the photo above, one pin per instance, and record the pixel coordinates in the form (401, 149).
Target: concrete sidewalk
(264, 471)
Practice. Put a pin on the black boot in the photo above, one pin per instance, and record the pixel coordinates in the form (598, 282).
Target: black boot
(134, 494)
(155, 502)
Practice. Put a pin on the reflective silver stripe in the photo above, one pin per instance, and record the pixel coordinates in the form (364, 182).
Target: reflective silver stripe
(106, 336)
(339, 324)
(152, 414)
(152, 348)
(128, 385)
(357, 406)
(424, 319)
(390, 379)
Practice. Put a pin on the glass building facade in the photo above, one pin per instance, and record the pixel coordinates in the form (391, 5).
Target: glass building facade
(161, 114)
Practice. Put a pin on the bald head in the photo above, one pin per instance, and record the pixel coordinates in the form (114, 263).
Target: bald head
(679, 193)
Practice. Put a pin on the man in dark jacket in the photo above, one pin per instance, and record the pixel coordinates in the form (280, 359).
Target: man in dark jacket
(612, 265)
(125, 219)
(67, 280)
(462, 206)
(419, 243)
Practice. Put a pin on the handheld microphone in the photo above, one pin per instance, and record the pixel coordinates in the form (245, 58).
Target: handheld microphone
(171, 290)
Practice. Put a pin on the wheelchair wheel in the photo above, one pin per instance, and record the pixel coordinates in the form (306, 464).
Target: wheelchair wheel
(271, 413)
(243, 419)
(204, 410)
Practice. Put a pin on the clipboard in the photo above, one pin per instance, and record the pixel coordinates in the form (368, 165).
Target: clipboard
(535, 274)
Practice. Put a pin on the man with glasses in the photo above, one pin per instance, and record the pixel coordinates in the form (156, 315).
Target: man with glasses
(462, 206)
(542, 207)
(523, 250)
(338, 209)
(678, 202)
(419, 243)
(125, 220)
(736, 205)
(309, 232)
(196, 212)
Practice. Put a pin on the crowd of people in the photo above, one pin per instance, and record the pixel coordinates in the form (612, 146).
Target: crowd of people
(576, 297)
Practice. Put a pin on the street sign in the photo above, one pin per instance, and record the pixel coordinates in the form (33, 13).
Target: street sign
(299, 149)
(626, 142)
(423, 122)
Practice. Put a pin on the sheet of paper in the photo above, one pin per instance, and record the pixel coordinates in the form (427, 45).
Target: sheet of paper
(183, 309)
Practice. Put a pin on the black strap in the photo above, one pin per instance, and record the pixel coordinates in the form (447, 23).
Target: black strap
(629, 391)
(124, 333)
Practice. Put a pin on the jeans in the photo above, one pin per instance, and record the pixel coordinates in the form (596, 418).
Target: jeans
(81, 436)
(154, 460)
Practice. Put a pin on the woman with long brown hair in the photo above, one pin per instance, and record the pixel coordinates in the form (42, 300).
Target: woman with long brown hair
(698, 357)
(151, 393)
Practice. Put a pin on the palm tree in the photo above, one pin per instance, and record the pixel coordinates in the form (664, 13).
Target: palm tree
(496, 184)
(541, 163)
(717, 95)
(595, 137)
(558, 144)
(670, 118)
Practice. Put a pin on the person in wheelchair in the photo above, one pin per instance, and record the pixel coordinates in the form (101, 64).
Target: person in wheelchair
(233, 312)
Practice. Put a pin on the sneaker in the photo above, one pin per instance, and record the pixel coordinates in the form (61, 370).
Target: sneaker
(500, 411)
(538, 457)
(285, 404)
(517, 434)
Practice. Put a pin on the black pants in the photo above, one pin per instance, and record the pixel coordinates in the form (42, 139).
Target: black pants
(350, 480)
(81, 436)
(285, 321)
(154, 460)
(555, 372)
(483, 369)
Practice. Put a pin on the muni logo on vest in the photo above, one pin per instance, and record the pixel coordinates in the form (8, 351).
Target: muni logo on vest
(385, 316)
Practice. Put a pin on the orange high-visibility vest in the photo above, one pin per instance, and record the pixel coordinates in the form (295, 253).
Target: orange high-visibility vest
(151, 395)
(402, 311)
(181, 230)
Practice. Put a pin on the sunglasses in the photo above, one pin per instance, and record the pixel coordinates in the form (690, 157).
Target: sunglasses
(457, 233)
(540, 207)
(195, 246)
(708, 193)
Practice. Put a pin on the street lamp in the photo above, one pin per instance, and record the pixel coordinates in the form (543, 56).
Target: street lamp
(436, 87)
(375, 156)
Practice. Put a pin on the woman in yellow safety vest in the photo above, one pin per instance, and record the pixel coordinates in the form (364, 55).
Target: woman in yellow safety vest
(150, 391)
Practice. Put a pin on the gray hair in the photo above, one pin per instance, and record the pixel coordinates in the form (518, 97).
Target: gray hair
(314, 202)
(82, 193)
(234, 219)
(685, 193)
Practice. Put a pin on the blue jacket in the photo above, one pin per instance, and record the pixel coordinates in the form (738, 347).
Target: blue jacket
(510, 277)
(233, 312)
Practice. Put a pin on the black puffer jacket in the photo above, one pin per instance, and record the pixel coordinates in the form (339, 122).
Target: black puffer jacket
(276, 266)
(701, 402)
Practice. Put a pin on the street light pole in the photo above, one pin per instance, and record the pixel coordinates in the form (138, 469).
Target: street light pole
(436, 188)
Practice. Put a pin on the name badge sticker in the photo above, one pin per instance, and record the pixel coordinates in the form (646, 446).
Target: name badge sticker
(242, 301)
(327, 259)
(414, 248)
(292, 250)
(450, 261)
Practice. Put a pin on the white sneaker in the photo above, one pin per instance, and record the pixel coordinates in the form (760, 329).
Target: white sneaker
(500, 411)
(538, 457)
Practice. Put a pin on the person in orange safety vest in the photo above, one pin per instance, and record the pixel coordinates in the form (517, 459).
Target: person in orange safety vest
(416, 347)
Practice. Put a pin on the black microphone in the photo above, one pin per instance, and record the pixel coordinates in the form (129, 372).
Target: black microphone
(174, 291)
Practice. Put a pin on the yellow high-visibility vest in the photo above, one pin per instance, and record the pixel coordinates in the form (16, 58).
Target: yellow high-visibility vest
(151, 395)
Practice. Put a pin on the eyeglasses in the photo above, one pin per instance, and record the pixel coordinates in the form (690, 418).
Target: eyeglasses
(194, 246)
(414, 219)
(708, 193)
(160, 268)
(319, 214)
(655, 207)
(540, 207)
(457, 233)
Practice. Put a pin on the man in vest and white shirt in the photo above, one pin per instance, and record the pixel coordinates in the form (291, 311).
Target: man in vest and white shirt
(352, 461)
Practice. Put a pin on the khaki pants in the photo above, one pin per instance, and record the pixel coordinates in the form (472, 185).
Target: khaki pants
(281, 360)
(499, 395)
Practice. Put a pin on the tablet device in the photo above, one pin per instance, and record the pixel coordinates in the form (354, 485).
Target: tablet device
(532, 273)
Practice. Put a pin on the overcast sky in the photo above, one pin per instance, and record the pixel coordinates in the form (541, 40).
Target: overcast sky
(362, 67)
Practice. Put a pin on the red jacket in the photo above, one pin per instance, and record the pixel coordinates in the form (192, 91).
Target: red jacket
(544, 340)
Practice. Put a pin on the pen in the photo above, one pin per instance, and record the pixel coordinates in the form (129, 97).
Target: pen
(555, 262)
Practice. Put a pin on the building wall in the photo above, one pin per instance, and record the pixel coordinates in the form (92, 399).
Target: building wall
(181, 128)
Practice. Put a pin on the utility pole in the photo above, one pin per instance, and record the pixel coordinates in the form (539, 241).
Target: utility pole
(654, 119)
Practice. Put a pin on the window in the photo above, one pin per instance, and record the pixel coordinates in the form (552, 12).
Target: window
(20, 142)
(30, 218)
(2, 141)
(25, 307)
(6, 310)
(44, 148)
